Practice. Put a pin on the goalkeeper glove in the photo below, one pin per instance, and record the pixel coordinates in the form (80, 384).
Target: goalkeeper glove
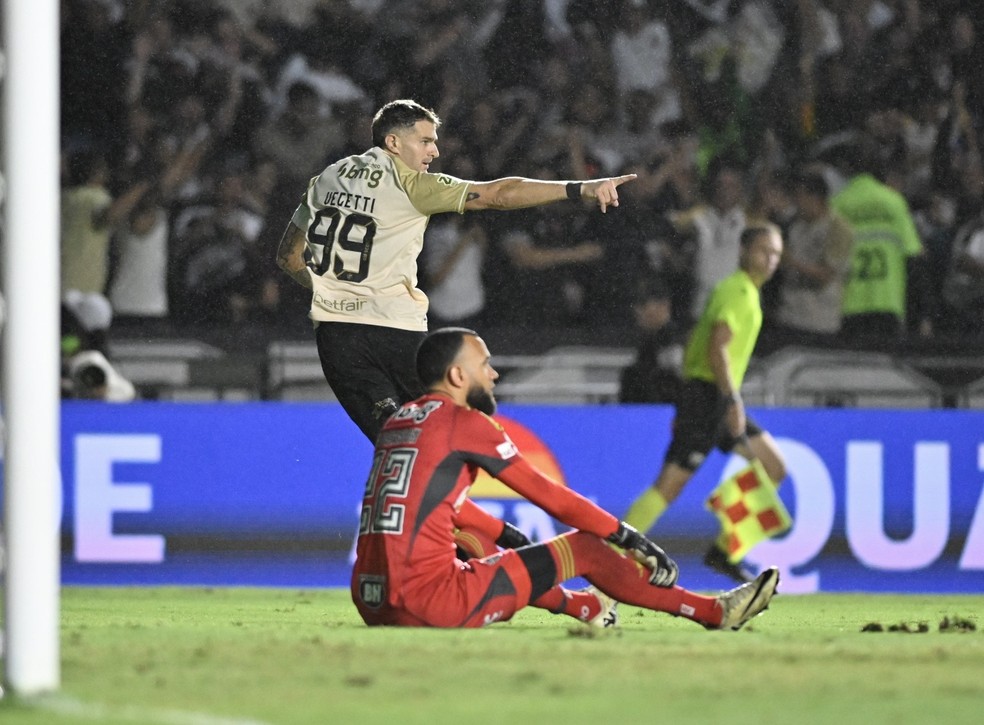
(664, 569)
(511, 537)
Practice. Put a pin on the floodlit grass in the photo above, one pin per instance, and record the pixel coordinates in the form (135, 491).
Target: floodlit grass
(228, 656)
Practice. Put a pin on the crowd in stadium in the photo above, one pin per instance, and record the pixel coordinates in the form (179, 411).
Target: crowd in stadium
(203, 120)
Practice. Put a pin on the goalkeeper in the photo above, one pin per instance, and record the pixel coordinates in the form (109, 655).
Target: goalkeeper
(427, 456)
(710, 410)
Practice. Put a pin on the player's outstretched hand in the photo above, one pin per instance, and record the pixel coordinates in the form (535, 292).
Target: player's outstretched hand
(605, 190)
(511, 537)
(664, 569)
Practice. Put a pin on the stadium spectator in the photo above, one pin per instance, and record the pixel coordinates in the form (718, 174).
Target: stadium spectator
(519, 33)
(234, 88)
(550, 263)
(408, 575)
(361, 223)
(555, 79)
(655, 376)
(94, 46)
(217, 254)
(298, 140)
(145, 80)
(824, 95)
(592, 25)
(637, 139)
(709, 410)
(634, 245)
(771, 199)
(963, 286)
(957, 152)
(885, 239)
(140, 276)
(676, 179)
(90, 214)
(965, 56)
(715, 228)
(642, 55)
(330, 85)
(815, 262)
(589, 116)
(160, 68)
(671, 189)
(837, 109)
(452, 266)
(937, 221)
(498, 127)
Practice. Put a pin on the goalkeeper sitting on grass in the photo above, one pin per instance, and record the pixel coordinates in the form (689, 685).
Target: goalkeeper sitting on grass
(426, 458)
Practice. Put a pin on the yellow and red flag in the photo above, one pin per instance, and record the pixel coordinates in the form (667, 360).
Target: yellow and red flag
(749, 509)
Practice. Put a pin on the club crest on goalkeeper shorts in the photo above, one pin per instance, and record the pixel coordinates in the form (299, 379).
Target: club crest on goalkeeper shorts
(372, 590)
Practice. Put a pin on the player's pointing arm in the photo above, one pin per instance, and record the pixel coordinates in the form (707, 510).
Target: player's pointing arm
(605, 190)
(515, 192)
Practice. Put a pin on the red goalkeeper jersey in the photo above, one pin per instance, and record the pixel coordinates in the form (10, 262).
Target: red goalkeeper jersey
(426, 458)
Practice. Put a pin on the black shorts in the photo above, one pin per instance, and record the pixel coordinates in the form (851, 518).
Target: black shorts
(700, 424)
(371, 369)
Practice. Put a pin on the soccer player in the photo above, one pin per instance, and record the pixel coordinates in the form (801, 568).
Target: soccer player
(354, 242)
(426, 458)
(710, 410)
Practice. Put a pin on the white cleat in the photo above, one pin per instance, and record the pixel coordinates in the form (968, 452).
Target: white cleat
(748, 600)
(607, 618)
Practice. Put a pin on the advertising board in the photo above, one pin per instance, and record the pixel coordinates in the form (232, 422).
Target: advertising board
(268, 493)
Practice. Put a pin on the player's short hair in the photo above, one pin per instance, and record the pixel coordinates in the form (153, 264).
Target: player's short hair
(401, 114)
(437, 352)
(751, 233)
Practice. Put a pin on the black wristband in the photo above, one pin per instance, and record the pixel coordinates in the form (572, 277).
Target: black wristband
(574, 190)
(624, 536)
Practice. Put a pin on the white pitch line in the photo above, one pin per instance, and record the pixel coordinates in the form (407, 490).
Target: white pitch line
(71, 707)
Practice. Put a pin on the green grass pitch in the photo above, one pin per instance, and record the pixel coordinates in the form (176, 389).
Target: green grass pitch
(232, 656)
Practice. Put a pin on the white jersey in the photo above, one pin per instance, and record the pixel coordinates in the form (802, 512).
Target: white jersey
(140, 283)
(365, 217)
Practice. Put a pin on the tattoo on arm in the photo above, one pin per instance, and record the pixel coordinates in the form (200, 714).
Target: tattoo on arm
(471, 196)
(290, 256)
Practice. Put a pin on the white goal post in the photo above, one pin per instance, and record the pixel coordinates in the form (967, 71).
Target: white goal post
(31, 394)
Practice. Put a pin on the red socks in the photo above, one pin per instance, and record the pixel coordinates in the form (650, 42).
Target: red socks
(581, 554)
(580, 604)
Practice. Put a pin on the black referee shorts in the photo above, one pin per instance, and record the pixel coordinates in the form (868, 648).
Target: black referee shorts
(700, 425)
(371, 369)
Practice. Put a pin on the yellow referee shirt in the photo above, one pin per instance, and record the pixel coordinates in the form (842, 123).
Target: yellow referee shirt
(734, 301)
